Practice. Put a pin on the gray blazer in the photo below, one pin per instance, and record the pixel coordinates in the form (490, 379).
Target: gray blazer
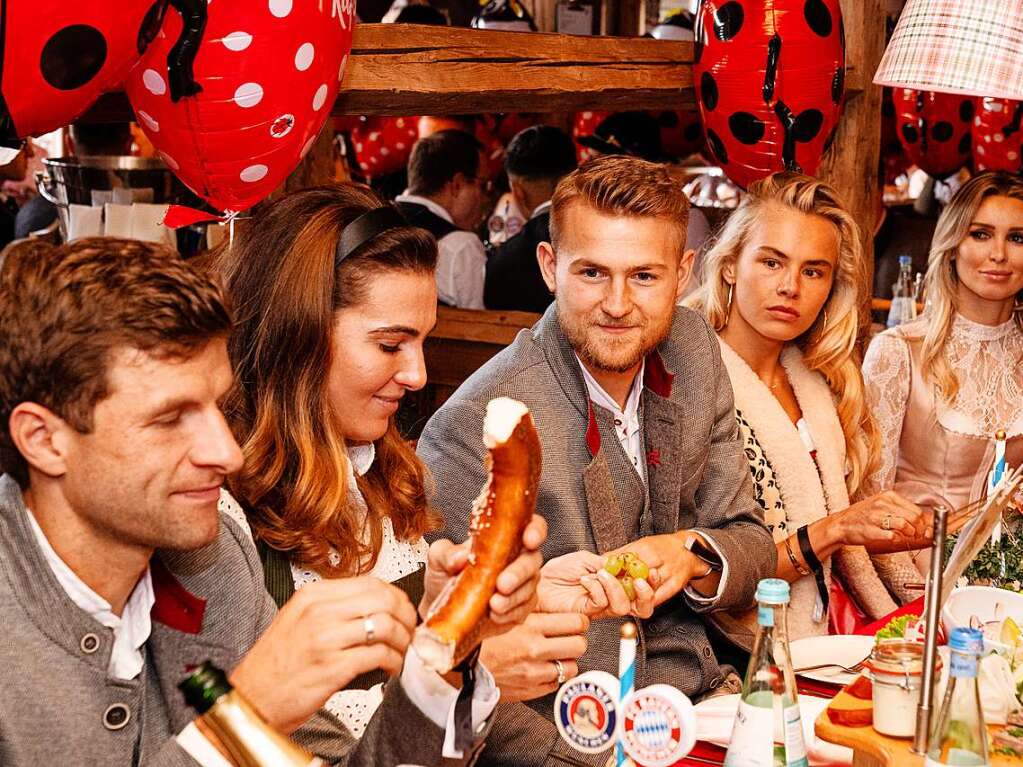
(53, 661)
(593, 498)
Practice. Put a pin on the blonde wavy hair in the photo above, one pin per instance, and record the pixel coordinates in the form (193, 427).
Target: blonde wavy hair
(941, 284)
(829, 345)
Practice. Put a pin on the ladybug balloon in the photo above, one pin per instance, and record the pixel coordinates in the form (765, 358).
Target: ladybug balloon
(269, 72)
(934, 129)
(770, 78)
(681, 131)
(997, 138)
(60, 55)
(383, 144)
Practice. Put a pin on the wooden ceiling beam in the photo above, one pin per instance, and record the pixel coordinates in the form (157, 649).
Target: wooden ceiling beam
(413, 69)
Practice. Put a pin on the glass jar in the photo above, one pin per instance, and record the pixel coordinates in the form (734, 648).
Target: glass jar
(896, 669)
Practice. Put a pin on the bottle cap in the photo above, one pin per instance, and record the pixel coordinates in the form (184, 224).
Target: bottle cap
(774, 591)
(905, 260)
(204, 687)
(967, 640)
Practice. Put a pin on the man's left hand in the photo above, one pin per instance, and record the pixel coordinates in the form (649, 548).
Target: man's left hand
(676, 566)
(515, 596)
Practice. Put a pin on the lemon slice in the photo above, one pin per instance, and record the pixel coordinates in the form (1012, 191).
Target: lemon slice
(1010, 632)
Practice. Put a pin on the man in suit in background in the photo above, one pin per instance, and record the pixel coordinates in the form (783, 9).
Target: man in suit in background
(445, 197)
(641, 452)
(537, 158)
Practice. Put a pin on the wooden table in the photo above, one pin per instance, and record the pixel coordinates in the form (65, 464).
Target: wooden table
(872, 749)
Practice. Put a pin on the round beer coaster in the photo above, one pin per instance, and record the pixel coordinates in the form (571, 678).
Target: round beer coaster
(658, 726)
(586, 711)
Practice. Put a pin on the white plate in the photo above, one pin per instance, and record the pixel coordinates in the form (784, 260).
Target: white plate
(844, 649)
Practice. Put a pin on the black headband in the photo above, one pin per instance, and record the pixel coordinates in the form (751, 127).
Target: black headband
(366, 227)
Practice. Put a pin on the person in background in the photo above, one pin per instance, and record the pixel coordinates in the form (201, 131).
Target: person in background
(328, 340)
(536, 159)
(942, 385)
(118, 574)
(781, 289)
(15, 170)
(445, 197)
(640, 447)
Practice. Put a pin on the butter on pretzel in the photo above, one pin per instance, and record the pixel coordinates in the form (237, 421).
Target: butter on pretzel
(500, 515)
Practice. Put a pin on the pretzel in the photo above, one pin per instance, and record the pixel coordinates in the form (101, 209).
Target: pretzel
(500, 514)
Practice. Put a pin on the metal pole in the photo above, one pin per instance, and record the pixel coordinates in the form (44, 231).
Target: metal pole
(933, 609)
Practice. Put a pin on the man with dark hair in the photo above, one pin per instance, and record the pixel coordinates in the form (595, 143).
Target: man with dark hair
(536, 159)
(641, 452)
(117, 572)
(445, 197)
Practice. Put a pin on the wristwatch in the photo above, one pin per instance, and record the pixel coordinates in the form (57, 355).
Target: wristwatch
(695, 545)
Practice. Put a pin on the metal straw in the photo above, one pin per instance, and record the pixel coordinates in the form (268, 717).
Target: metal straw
(933, 610)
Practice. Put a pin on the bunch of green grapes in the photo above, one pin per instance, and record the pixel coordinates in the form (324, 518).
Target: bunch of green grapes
(627, 568)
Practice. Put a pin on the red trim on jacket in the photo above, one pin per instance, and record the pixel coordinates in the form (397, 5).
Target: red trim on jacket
(592, 430)
(656, 376)
(174, 606)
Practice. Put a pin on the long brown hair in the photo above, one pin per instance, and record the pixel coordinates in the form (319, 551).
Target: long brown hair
(829, 346)
(294, 484)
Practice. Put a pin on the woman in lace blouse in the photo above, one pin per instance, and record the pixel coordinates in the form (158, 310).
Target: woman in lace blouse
(328, 338)
(942, 385)
(781, 288)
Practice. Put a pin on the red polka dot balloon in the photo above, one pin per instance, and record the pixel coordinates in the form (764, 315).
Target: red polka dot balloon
(934, 129)
(770, 78)
(383, 144)
(997, 138)
(59, 56)
(585, 124)
(269, 72)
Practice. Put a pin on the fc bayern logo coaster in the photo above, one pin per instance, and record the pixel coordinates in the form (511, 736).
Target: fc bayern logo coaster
(658, 726)
(586, 711)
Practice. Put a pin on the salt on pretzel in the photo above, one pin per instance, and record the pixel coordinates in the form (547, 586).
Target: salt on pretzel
(500, 515)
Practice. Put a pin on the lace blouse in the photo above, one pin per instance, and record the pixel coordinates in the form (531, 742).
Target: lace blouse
(947, 446)
(397, 558)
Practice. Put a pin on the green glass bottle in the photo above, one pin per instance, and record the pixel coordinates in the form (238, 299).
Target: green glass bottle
(960, 738)
(768, 730)
(249, 740)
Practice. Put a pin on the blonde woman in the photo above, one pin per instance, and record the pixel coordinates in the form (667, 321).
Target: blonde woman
(781, 289)
(942, 385)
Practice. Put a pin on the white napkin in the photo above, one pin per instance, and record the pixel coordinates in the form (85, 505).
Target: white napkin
(146, 224)
(116, 220)
(715, 717)
(84, 221)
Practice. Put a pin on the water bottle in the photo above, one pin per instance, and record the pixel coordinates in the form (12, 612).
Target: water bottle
(768, 730)
(960, 737)
(903, 307)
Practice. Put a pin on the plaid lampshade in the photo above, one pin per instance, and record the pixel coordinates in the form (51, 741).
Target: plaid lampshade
(971, 47)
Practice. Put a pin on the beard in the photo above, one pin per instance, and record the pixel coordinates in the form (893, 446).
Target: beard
(613, 354)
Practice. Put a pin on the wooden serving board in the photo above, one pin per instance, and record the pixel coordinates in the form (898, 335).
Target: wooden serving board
(872, 749)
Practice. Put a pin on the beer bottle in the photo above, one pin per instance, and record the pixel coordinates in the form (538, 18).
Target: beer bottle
(249, 740)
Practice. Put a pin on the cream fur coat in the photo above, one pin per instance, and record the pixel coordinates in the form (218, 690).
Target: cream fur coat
(803, 491)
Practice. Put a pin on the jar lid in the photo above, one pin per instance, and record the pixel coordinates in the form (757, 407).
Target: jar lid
(898, 656)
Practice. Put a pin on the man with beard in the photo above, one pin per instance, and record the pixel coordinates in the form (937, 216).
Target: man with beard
(640, 447)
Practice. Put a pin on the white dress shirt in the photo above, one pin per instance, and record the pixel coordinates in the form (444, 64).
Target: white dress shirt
(630, 436)
(461, 260)
(131, 629)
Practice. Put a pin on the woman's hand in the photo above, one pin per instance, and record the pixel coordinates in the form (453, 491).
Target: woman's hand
(578, 583)
(885, 523)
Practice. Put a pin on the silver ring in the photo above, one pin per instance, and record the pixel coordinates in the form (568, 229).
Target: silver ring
(886, 523)
(370, 629)
(561, 671)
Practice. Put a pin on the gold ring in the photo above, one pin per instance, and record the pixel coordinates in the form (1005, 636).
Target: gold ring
(370, 629)
(561, 672)
(886, 524)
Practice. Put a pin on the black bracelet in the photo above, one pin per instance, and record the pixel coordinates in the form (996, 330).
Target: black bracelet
(810, 557)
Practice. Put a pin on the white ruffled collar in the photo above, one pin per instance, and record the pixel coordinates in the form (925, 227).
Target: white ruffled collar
(976, 331)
